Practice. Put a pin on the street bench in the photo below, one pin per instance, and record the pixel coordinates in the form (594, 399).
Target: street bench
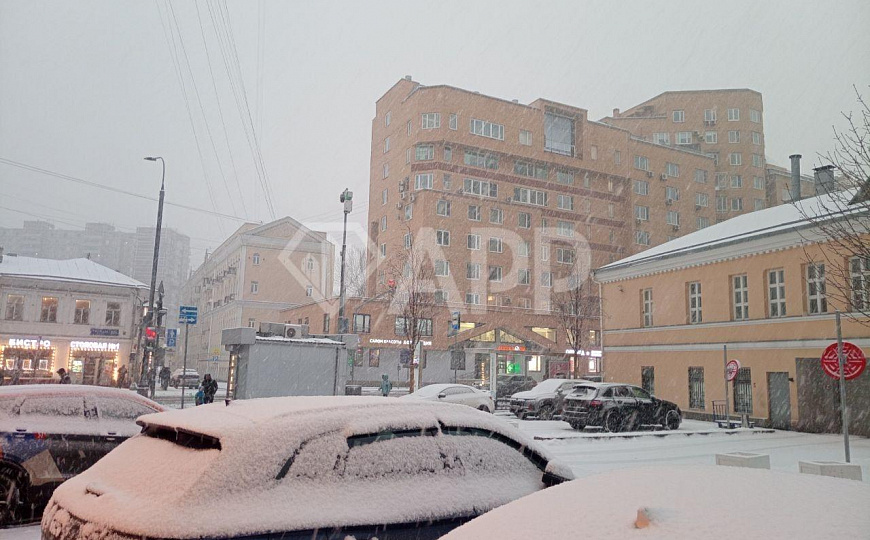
(723, 419)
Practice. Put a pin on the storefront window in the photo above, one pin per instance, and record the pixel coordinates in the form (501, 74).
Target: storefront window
(549, 333)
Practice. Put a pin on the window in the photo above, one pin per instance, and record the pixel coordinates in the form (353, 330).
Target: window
(757, 160)
(309, 264)
(386, 145)
(714, 156)
(565, 228)
(641, 213)
(530, 196)
(431, 120)
(496, 215)
(362, 323)
(754, 116)
(386, 170)
(817, 301)
(252, 323)
(547, 279)
(702, 223)
(524, 248)
(743, 391)
(442, 238)
(473, 241)
(384, 196)
(756, 138)
(701, 199)
(859, 275)
(255, 287)
(709, 115)
(696, 387)
(565, 256)
(647, 380)
(545, 253)
(472, 298)
(409, 212)
(473, 212)
(662, 138)
(388, 118)
(641, 187)
(424, 152)
(531, 170)
(721, 204)
(113, 314)
(383, 223)
(610, 210)
(617, 157)
(14, 307)
(442, 208)
(484, 160)
(448, 153)
(711, 137)
(326, 323)
(695, 316)
(472, 271)
(441, 296)
(524, 276)
(733, 136)
(679, 116)
(776, 293)
(759, 204)
(453, 122)
(496, 245)
(558, 134)
(684, 137)
(672, 169)
(673, 218)
(256, 259)
(736, 204)
(733, 115)
(642, 238)
(566, 178)
(700, 176)
(736, 181)
(487, 129)
(442, 268)
(408, 240)
(409, 127)
(83, 312)
(672, 193)
(448, 184)
(383, 250)
(758, 182)
(721, 181)
(740, 292)
(495, 273)
(647, 308)
(565, 202)
(524, 220)
(484, 188)
(641, 163)
(525, 137)
(404, 324)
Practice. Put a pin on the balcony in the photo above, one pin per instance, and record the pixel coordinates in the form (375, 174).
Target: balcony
(559, 148)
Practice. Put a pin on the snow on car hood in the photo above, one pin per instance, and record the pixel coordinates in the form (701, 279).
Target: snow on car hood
(684, 502)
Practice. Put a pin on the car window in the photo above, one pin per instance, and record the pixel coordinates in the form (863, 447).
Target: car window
(583, 391)
(461, 390)
(608, 393)
(119, 408)
(69, 406)
(623, 391)
(640, 393)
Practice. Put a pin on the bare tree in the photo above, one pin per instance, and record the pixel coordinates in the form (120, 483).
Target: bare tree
(842, 217)
(578, 310)
(354, 272)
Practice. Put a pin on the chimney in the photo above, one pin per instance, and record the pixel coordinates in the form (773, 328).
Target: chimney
(795, 177)
(823, 179)
(407, 77)
(616, 113)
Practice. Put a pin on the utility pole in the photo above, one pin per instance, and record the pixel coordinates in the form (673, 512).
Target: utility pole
(150, 318)
(157, 355)
(844, 412)
(347, 199)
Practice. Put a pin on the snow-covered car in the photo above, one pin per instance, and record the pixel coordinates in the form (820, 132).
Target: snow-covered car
(540, 401)
(52, 432)
(618, 407)
(507, 385)
(683, 502)
(455, 393)
(302, 468)
(188, 378)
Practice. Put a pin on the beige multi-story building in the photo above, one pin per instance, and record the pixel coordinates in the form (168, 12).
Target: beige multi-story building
(253, 275)
(766, 285)
(779, 185)
(726, 125)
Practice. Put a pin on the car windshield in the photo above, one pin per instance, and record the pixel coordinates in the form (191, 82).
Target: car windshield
(583, 391)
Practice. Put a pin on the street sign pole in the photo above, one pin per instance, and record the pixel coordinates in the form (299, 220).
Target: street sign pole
(727, 399)
(184, 362)
(844, 412)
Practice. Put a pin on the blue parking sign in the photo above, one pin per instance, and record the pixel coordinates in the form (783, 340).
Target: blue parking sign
(171, 337)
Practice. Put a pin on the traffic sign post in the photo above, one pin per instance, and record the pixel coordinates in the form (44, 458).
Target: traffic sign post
(843, 361)
(187, 316)
(171, 337)
(455, 322)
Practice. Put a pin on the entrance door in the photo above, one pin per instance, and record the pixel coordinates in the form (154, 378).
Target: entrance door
(779, 400)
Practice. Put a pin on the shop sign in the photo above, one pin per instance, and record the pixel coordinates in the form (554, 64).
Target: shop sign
(108, 332)
(511, 348)
(379, 341)
(21, 343)
(95, 346)
(581, 352)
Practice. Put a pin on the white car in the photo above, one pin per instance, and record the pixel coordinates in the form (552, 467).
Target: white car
(455, 393)
(301, 468)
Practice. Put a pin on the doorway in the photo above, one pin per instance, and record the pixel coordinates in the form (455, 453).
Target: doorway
(779, 400)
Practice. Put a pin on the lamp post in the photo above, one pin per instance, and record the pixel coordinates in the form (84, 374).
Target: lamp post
(143, 383)
(347, 199)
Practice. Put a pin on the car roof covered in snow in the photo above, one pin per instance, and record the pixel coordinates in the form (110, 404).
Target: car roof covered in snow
(51, 390)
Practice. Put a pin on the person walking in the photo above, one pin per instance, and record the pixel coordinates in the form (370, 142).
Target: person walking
(64, 376)
(386, 385)
(165, 374)
(209, 388)
(122, 377)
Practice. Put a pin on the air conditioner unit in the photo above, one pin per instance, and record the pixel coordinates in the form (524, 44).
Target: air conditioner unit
(669, 202)
(398, 206)
(697, 207)
(676, 227)
(413, 197)
(649, 174)
(295, 330)
(664, 176)
(638, 221)
(509, 200)
(268, 329)
(402, 196)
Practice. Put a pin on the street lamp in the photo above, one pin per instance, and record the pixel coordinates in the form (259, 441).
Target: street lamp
(347, 199)
(143, 383)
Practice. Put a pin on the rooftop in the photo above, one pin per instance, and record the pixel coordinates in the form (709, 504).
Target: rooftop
(69, 270)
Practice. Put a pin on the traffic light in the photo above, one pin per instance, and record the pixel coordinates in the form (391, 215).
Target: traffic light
(391, 284)
(150, 337)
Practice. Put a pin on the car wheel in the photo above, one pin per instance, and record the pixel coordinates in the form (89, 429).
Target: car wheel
(521, 416)
(672, 420)
(613, 422)
(484, 408)
(10, 496)
(578, 426)
(545, 412)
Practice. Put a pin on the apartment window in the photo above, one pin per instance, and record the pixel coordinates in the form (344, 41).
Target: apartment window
(711, 137)
(679, 116)
(408, 155)
(758, 182)
(409, 212)
(524, 248)
(473, 241)
(733, 136)
(386, 145)
(684, 137)
(736, 204)
(441, 296)
(383, 250)
(525, 137)
(442, 238)
(700, 176)
(565, 229)
(113, 314)
(641, 238)
(756, 138)
(662, 138)
(611, 236)
(672, 193)
(472, 298)
(617, 157)
(496, 245)
(484, 160)
(641, 187)
(524, 220)
(776, 293)
(695, 315)
(673, 218)
(758, 204)
(735, 158)
(721, 204)
(859, 277)
(14, 307)
(409, 127)
(403, 325)
(565, 202)
(326, 323)
(408, 240)
(487, 129)
(424, 152)
(701, 199)
(593, 152)
(472, 270)
(754, 116)
(610, 185)
(362, 323)
(383, 223)
(442, 208)
(709, 115)
(545, 253)
(431, 120)
(442, 268)
(448, 153)
(641, 213)
(757, 160)
(702, 222)
(453, 122)
(565, 255)
(530, 196)
(83, 312)
(309, 290)
(740, 292)
(495, 273)
(524, 276)
(714, 156)
(610, 210)
(386, 170)
(483, 188)
(255, 287)
(721, 181)
(641, 163)
(558, 134)
(496, 215)
(566, 178)
(547, 279)
(817, 301)
(736, 181)
(309, 264)
(473, 212)
(743, 391)
(252, 323)
(448, 183)
(733, 115)
(531, 170)
(388, 118)
(647, 302)
(696, 387)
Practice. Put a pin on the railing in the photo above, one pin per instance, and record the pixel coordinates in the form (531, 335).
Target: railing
(559, 148)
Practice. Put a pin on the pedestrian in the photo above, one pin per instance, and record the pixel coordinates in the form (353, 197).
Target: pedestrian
(122, 377)
(209, 388)
(64, 376)
(199, 397)
(165, 373)
(386, 385)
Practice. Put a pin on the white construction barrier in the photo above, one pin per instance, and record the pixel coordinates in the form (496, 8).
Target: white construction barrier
(744, 459)
(837, 469)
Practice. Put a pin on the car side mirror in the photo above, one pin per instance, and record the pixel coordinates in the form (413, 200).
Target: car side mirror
(442, 395)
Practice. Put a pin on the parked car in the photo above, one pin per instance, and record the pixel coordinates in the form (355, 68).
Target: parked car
(455, 393)
(540, 401)
(187, 378)
(302, 468)
(618, 407)
(49, 433)
(508, 385)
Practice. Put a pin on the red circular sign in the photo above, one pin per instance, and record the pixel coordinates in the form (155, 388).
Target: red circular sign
(854, 361)
(731, 369)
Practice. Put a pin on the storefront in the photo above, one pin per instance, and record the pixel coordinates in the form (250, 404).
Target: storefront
(93, 362)
(27, 360)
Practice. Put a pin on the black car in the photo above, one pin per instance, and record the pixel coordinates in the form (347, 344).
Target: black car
(544, 401)
(618, 407)
(51, 432)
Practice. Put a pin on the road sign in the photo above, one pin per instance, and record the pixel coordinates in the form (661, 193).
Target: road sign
(854, 361)
(404, 357)
(454, 321)
(171, 337)
(187, 314)
(731, 369)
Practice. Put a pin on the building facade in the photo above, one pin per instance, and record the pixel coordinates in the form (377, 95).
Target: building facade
(252, 276)
(757, 284)
(73, 314)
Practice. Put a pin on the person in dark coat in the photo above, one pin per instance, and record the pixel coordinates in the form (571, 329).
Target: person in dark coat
(64, 376)
(209, 388)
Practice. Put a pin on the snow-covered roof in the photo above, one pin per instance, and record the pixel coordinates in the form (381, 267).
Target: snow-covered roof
(778, 220)
(688, 502)
(78, 270)
(309, 340)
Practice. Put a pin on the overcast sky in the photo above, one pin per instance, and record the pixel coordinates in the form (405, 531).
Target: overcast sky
(87, 89)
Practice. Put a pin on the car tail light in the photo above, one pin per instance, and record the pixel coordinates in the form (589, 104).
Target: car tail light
(595, 403)
(530, 405)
